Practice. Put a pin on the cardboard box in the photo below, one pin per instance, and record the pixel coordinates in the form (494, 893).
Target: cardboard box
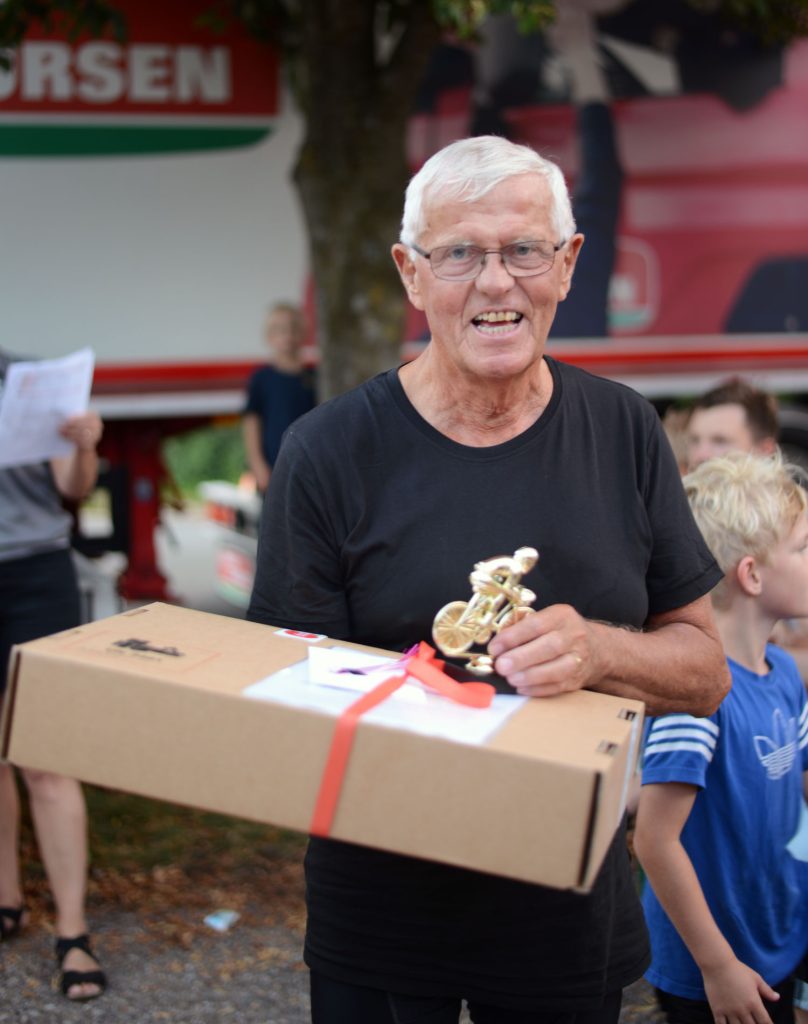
(151, 702)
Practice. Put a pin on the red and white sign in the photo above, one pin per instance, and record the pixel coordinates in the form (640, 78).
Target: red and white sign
(170, 65)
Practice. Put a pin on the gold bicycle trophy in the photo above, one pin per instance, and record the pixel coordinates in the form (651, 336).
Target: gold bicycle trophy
(499, 599)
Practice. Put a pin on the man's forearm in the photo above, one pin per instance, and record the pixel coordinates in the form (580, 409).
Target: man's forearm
(675, 666)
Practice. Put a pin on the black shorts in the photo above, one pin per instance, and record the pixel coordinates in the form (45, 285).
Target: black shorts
(39, 595)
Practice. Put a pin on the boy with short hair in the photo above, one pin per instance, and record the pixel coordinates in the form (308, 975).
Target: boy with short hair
(727, 900)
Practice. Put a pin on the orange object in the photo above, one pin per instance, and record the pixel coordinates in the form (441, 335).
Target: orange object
(423, 666)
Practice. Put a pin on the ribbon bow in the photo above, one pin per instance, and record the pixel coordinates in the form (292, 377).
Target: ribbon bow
(420, 663)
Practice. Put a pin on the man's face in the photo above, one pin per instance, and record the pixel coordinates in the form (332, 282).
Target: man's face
(716, 431)
(495, 326)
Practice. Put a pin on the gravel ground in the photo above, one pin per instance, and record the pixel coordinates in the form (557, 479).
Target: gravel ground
(252, 974)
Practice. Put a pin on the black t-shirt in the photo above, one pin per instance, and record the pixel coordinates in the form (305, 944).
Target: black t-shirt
(373, 522)
(278, 399)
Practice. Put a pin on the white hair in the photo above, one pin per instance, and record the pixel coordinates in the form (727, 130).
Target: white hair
(466, 170)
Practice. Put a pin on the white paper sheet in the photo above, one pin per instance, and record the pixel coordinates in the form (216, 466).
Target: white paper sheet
(316, 683)
(37, 397)
(349, 670)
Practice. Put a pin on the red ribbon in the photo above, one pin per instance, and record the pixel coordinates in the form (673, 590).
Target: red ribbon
(428, 670)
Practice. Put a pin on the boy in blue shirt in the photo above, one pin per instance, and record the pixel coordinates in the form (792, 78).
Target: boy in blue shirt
(721, 801)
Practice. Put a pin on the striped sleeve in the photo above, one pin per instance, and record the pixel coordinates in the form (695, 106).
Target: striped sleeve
(679, 748)
(802, 735)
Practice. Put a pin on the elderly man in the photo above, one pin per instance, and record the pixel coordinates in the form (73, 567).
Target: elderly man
(382, 501)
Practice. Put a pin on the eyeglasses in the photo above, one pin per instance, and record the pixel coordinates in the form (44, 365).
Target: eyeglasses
(464, 262)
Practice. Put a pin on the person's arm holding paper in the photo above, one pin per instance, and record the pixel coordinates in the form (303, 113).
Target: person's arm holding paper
(75, 474)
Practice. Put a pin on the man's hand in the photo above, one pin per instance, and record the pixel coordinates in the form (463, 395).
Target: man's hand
(262, 473)
(75, 474)
(675, 663)
(84, 430)
(547, 652)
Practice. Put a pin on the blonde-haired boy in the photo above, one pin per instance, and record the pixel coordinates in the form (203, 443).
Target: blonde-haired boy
(719, 812)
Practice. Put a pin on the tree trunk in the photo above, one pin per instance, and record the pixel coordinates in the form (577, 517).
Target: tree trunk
(359, 300)
(351, 175)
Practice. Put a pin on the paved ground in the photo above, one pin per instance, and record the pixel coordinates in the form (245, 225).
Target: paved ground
(253, 974)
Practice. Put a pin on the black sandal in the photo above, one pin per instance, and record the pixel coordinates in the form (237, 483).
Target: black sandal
(67, 979)
(13, 914)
